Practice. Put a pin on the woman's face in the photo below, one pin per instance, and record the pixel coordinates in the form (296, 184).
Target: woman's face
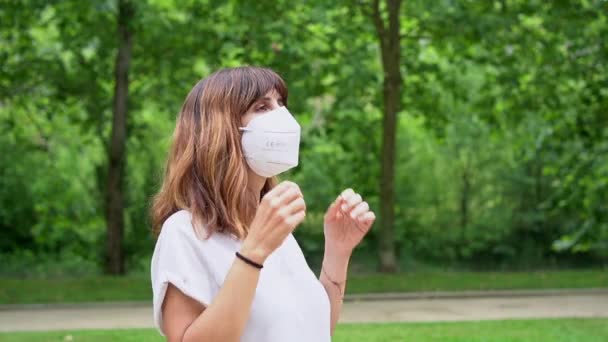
(271, 101)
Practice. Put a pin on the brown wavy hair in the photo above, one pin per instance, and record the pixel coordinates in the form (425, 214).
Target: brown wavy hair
(206, 172)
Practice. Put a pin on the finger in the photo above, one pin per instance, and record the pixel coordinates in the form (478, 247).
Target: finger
(274, 202)
(295, 206)
(334, 208)
(359, 209)
(294, 220)
(289, 195)
(279, 189)
(347, 193)
(367, 218)
(351, 202)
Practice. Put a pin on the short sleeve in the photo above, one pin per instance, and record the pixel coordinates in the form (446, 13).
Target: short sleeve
(177, 259)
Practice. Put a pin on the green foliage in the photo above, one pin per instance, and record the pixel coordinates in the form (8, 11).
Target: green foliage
(502, 155)
(26, 264)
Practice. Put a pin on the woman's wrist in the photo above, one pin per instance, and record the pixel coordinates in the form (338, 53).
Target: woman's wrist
(333, 274)
(249, 261)
(255, 254)
(338, 254)
(335, 265)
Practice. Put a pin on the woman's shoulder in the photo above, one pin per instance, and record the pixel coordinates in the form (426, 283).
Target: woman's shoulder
(179, 218)
(179, 229)
(179, 225)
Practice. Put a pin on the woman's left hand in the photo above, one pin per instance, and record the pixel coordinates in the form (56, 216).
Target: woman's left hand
(346, 222)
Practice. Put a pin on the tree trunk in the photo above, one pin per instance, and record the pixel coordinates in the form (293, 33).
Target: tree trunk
(390, 48)
(464, 203)
(114, 199)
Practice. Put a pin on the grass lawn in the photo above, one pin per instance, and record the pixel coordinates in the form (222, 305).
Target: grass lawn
(555, 330)
(461, 281)
(103, 288)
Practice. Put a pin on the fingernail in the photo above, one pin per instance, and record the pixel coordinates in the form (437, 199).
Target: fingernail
(344, 207)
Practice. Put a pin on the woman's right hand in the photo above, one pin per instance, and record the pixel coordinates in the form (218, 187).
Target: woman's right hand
(281, 210)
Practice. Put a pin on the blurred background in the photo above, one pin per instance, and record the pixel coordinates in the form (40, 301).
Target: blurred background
(492, 138)
(476, 130)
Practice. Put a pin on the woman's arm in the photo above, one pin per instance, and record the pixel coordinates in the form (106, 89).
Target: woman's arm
(280, 211)
(346, 222)
(333, 277)
(185, 319)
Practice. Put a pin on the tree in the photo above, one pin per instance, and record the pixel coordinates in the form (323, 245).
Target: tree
(114, 200)
(388, 34)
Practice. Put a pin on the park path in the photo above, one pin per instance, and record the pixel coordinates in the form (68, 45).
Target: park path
(371, 308)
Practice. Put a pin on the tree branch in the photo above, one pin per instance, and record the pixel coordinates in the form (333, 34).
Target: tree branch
(377, 18)
(372, 10)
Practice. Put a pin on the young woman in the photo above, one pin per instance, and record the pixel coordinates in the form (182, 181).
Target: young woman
(226, 266)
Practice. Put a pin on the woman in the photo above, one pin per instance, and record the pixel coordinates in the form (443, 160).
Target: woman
(226, 266)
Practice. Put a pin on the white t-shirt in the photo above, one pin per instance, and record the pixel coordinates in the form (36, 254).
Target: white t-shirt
(290, 303)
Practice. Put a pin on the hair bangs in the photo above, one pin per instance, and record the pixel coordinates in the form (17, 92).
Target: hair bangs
(255, 83)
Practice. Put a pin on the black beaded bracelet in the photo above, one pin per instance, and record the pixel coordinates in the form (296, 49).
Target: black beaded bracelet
(249, 261)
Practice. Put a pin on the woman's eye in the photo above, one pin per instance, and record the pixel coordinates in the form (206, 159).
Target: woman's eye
(262, 108)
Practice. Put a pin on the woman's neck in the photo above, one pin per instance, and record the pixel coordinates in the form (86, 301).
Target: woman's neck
(255, 183)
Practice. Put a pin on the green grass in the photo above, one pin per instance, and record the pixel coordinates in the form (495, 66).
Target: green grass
(102, 288)
(555, 330)
(461, 281)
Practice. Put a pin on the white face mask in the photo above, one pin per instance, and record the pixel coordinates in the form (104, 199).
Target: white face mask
(271, 142)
